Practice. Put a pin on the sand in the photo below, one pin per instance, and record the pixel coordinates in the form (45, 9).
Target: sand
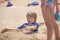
(12, 17)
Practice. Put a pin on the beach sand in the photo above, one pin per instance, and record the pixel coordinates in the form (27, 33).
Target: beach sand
(12, 17)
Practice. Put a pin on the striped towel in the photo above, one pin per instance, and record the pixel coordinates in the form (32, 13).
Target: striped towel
(50, 3)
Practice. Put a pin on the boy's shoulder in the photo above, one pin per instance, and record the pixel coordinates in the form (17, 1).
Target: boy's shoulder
(25, 23)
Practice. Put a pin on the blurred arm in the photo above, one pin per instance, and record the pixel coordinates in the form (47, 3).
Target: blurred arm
(57, 7)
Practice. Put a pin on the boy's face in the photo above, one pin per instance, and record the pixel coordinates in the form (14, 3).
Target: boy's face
(30, 19)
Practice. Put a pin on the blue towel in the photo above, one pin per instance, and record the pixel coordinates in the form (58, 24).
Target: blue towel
(35, 3)
(57, 15)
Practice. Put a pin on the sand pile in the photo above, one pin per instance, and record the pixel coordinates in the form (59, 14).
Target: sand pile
(21, 35)
(17, 35)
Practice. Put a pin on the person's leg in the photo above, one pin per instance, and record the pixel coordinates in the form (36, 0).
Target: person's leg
(49, 32)
(47, 18)
(56, 30)
(55, 26)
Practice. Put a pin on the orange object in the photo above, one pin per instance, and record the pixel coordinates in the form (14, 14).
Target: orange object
(4, 30)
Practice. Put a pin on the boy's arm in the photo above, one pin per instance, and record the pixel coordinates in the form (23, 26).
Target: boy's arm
(30, 28)
(33, 27)
(21, 26)
(36, 26)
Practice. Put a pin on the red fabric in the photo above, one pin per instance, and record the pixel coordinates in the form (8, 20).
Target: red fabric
(1, 1)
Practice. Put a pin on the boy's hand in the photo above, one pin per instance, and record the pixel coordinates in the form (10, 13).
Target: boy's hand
(27, 28)
(30, 28)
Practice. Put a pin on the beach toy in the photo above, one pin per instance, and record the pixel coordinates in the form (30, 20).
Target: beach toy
(35, 3)
(9, 4)
(4, 30)
(57, 16)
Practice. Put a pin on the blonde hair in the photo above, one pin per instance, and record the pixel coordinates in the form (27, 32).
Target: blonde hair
(32, 14)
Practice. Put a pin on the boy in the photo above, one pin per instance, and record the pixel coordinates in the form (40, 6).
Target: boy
(48, 14)
(31, 26)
